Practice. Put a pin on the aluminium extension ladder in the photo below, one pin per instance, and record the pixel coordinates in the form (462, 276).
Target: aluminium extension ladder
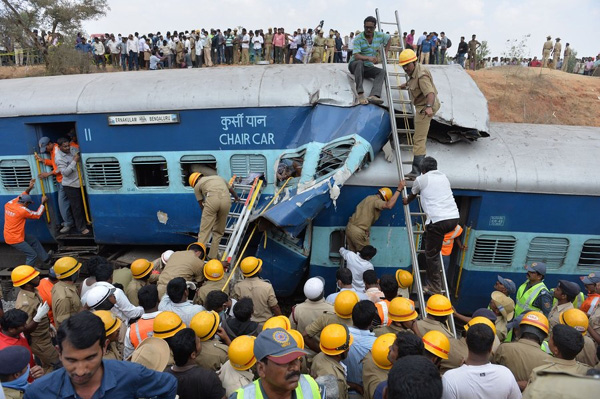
(406, 132)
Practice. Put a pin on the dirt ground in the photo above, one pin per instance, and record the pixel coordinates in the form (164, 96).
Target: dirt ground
(515, 94)
(524, 95)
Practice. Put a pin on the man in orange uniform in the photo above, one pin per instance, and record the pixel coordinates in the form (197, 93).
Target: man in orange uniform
(46, 145)
(45, 291)
(448, 245)
(16, 213)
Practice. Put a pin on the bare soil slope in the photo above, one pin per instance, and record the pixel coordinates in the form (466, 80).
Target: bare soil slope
(524, 95)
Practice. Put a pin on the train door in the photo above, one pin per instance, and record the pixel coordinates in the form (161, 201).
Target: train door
(458, 257)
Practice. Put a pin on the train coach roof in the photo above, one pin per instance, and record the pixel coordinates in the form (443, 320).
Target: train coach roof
(548, 159)
(198, 88)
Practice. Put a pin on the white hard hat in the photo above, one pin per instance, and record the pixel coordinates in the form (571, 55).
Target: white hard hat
(166, 255)
(313, 288)
(98, 294)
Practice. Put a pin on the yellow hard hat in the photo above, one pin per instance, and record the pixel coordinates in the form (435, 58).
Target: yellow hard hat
(402, 309)
(439, 305)
(201, 246)
(297, 335)
(404, 278)
(213, 270)
(407, 56)
(111, 323)
(250, 266)
(335, 339)
(481, 320)
(205, 324)
(437, 343)
(381, 349)
(576, 319)
(140, 268)
(344, 303)
(194, 178)
(23, 274)
(536, 319)
(166, 324)
(65, 267)
(278, 322)
(386, 193)
(241, 352)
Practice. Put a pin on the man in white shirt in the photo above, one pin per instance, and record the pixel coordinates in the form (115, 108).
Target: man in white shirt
(358, 263)
(132, 51)
(258, 41)
(98, 51)
(115, 50)
(344, 283)
(478, 378)
(245, 47)
(176, 301)
(442, 216)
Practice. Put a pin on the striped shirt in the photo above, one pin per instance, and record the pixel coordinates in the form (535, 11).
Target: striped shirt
(362, 46)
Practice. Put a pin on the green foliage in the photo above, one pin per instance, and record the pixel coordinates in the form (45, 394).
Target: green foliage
(483, 51)
(65, 60)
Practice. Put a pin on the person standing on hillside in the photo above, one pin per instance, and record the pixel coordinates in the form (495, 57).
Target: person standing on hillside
(556, 53)
(566, 58)
(546, 51)
(473, 46)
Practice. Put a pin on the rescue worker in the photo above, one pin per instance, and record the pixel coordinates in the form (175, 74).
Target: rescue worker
(16, 213)
(439, 309)
(567, 56)
(565, 343)
(563, 385)
(278, 322)
(424, 96)
(26, 278)
(376, 364)
(472, 54)
(448, 245)
(214, 197)
(504, 309)
(318, 48)
(556, 53)
(335, 344)
(314, 306)
(141, 270)
(65, 300)
(112, 326)
(505, 286)
(344, 303)
(395, 42)
(188, 264)
(214, 353)
(590, 282)
(404, 279)
(389, 287)
(403, 315)
(358, 229)
(261, 291)
(153, 353)
(564, 294)
(214, 273)
(330, 48)
(546, 51)
(143, 327)
(437, 347)
(160, 263)
(236, 372)
(578, 320)
(278, 368)
(44, 290)
(268, 58)
(14, 371)
(523, 355)
(166, 325)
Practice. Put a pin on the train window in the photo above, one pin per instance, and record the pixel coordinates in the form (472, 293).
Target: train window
(333, 156)
(103, 173)
(150, 171)
(290, 165)
(590, 254)
(336, 241)
(246, 165)
(205, 164)
(493, 250)
(550, 250)
(15, 174)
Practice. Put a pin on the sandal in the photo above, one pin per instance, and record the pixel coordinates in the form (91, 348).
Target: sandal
(362, 100)
(375, 100)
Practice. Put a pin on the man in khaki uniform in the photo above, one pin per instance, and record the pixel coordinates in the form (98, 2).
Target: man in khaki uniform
(141, 270)
(433, 323)
(562, 384)
(37, 325)
(318, 48)
(556, 52)
(187, 264)
(214, 197)
(372, 375)
(403, 315)
(261, 291)
(269, 45)
(308, 311)
(472, 53)
(329, 360)
(564, 294)
(233, 379)
(426, 102)
(65, 299)
(546, 51)
(358, 229)
(395, 42)
(213, 353)
(566, 58)
(330, 46)
(215, 280)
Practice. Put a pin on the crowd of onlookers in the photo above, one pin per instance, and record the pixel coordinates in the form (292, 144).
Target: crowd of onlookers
(582, 66)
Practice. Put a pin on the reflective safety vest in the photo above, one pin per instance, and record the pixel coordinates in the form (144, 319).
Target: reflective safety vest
(382, 310)
(140, 330)
(307, 389)
(525, 299)
(448, 242)
(593, 305)
(546, 347)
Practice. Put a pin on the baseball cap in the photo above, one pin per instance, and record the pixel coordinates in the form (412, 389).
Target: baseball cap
(539, 267)
(278, 345)
(568, 287)
(484, 312)
(25, 198)
(590, 279)
(510, 285)
(13, 359)
(98, 294)
(43, 143)
(51, 272)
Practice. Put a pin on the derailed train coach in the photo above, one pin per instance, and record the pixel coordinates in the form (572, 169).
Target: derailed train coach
(525, 193)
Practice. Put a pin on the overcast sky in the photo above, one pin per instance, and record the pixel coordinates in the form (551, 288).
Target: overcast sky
(493, 20)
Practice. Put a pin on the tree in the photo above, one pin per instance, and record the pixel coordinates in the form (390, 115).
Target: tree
(517, 48)
(20, 19)
(483, 52)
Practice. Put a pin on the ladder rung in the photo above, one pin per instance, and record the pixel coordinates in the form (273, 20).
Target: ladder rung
(417, 214)
(395, 48)
(418, 231)
(420, 251)
(407, 146)
(403, 115)
(397, 73)
(405, 131)
(388, 23)
(401, 101)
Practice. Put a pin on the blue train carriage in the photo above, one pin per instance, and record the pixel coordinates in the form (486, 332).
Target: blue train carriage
(142, 134)
(528, 193)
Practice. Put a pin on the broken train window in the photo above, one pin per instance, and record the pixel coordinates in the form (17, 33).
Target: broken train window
(333, 156)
